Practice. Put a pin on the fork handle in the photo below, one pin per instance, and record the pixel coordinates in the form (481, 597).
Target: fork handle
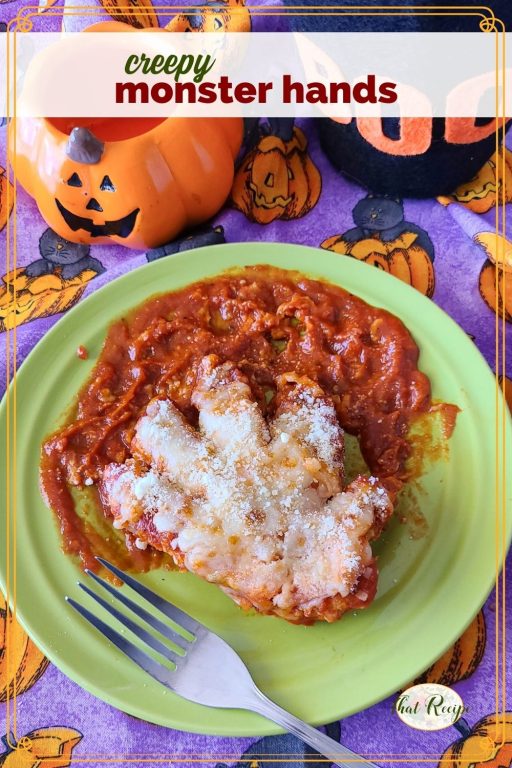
(316, 739)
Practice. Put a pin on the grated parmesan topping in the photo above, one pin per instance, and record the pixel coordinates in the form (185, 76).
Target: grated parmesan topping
(256, 508)
(316, 423)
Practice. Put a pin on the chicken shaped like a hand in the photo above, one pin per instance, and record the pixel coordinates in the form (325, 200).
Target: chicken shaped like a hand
(257, 508)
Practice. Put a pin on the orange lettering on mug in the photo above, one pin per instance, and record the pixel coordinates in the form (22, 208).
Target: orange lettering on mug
(415, 135)
(463, 130)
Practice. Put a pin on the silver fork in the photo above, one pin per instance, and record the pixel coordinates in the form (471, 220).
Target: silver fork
(207, 671)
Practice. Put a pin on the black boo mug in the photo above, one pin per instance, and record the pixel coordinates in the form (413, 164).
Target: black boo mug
(406, 157)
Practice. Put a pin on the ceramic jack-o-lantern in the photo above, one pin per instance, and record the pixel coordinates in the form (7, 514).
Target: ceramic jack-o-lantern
(277, 180)
(137, 182)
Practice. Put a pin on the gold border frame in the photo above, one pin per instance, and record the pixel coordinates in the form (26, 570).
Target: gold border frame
(23, 22)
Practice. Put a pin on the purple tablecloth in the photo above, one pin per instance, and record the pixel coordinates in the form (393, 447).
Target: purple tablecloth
(55, 701)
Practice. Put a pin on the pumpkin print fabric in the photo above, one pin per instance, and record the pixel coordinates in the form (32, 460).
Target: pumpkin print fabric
(6, 198)
(490, 185)
(213, 16)
(487, 745)
(42, 748)
(384, 239)
(277, 180)
(495, 280)
(49, 285)
(495, 286)
(401, 257)
(22, 664)
(210, 16)
(138, 13)
(436, 251)
(506, 385)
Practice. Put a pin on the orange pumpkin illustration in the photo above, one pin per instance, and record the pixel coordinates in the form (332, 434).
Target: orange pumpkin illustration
(137, 13)
(277, 180)
(45, 4)
(480, 193)
(461, 660)
(24, 298)
(213, 16)
(137, 182)
(495, 281)
(487, 745)
(506, 385)
(401, 257)
(42, 748)
(499, 298)
(23, 664)
(497, 248)
(5, 189)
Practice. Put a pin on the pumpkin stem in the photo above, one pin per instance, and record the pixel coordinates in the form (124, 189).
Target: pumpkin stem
(84, 147)
(9, 742)
(462, 727)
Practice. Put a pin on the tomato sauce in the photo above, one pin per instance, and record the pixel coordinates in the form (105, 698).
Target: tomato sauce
(269, 322)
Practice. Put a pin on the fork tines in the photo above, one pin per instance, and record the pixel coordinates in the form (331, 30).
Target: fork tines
(181, 638)
(182, 619)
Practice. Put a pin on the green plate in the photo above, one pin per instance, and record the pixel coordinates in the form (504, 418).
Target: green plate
(430, 588)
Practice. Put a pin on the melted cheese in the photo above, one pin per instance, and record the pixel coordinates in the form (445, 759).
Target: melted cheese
(256, 508)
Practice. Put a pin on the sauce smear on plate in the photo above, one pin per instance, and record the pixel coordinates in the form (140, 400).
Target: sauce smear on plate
(267, 321)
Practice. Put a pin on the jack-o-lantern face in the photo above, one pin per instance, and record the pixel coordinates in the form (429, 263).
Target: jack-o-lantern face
(90, 202)
(277, 180)
(136, 182)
